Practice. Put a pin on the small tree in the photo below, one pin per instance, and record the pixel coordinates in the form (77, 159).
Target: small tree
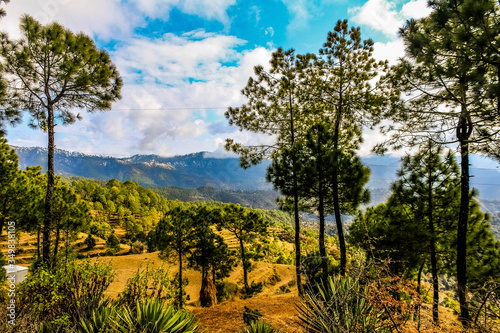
(51, 72)
(245, 225)
(10, 181)
(210, 254)
(174, 235)
(113, 242)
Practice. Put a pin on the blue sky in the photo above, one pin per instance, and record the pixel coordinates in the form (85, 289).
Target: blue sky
(185, 61)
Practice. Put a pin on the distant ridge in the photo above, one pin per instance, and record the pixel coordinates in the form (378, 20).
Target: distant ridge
(188, 171)
(200, 169)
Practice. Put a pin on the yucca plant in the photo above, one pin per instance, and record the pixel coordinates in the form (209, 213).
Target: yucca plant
(152, 316)
(260, 327)
(100, 321)
(339, 306)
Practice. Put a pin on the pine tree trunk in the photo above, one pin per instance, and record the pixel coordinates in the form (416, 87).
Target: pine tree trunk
(417, 307)
(244, 261)
(322, 248)
(435, 281)
(298, 259)
(180, 279)
(336, 204)
(463, 132)
(47, 223)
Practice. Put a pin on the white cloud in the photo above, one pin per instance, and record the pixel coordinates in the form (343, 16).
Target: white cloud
(381, 15)
(302, 12)
(415, 9)
(390, 51)
(171, 82)
(109, 19)
(94, 17)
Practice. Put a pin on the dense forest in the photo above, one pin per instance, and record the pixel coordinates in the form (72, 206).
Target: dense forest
(424, 260)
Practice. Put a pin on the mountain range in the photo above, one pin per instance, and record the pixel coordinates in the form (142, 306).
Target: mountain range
(204, 169)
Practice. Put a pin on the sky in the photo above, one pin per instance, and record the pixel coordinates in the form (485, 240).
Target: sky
(184, 62)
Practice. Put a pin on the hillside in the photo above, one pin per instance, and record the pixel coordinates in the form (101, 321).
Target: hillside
(202, 169)
(202, 177)
(188, 171)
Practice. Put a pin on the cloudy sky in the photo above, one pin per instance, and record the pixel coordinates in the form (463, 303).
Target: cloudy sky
(184, 62)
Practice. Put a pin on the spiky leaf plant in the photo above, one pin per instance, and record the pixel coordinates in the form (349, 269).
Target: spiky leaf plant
(152, 316)
(339, 306)
(260, 327)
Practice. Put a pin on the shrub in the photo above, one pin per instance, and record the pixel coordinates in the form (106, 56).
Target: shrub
(90, 242)
(148, 283)
(260, 327)
(255, 288)
(113, 243)
(284, 289)
(137, 247)
(153, 317)
(339, 305)
(222, 292)
(65, 294)
(251, 316)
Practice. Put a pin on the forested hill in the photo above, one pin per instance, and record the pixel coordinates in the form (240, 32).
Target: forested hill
(187, 171)
(200, 169)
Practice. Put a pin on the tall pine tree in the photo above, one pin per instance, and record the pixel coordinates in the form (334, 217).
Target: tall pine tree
(50, 73)
(275, 107)
(453, 96)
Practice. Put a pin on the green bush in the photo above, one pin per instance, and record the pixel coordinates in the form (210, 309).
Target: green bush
(113, 243)
(260, 327)
(222, 292)
(338, 306)
(450, 303)
(152, 316)
(65, 294)
(251, 316)
(110, 252)
(255, 288)
(90, 242)
(148, 283)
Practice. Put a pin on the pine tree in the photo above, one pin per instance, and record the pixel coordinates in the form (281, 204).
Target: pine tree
(246, 225)
(50, 73)
(275, 107)
(430, 185)
(339, 86)
(174, 234)
(316, 158)
(448, 73)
